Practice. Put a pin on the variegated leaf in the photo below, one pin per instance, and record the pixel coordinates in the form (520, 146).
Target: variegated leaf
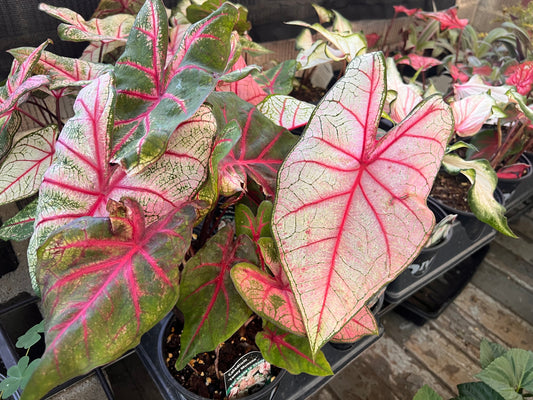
(246, 87)
(63, 71)
(286, 111)
(259, 152)
(20, 227)
(81, 179)
(291, 352)
(23, 168)
(105, 282)
(481, 194)
(153, 100)
(363, 324)
(351, 209)
(278, 79)
(112, 7)
(213, 308)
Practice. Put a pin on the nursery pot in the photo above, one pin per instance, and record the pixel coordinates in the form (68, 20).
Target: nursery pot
(517, 189)
(169, 387)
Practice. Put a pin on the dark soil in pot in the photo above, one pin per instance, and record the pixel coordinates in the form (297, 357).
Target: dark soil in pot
(200, 376)
(451, 190)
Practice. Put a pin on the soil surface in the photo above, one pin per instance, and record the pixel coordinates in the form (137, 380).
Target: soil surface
(200, 376)
(451, 190)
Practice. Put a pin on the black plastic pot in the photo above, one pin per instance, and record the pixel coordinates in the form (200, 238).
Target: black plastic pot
(516, 190)
(287, 387)
(430, 301)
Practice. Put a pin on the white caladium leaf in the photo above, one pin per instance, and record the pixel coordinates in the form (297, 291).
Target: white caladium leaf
(475, 85)
(76, 29)
(402, 98)
(481, 194)
(350, 211)
(23, 168)
(471, 112)
(286, 111)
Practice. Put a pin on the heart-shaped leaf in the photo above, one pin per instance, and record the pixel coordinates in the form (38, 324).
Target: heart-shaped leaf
(153, 99)
(259, 152)
(112, 7)
(105, 282)
(471, 112)
(286, 111)
(278, 79)
(350, 212)
(24, 166)
(476, 391)
(81, 179)
(290, 352)
(213, 308)
(246, 87)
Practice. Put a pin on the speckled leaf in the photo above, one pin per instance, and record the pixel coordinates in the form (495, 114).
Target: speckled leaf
(23, 168)
(213, 308)
(20, 227)
(278, 79)
(81, 179)
(155, 96)
(112, 7)
(481, 194)
(76, 29)
(286, 111)
(350, 211)
(259, 152)
(291, 352)
(105, 282)
(63, 71)
(363, 324)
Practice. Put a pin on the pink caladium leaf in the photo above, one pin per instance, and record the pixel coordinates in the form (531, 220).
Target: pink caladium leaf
(81, 179)
(291, 352)
(22, 170)
(213, 308)
(350, 211)
(111, 7)
(514, 171)
(286, 111)
(246, 88)
(278, 79)
(418, 63)
(105, 282)
(259, 152)
(20, 226)
(63, 71)
(363, 324)
(153, 100)
(471, 112)
(76, 29)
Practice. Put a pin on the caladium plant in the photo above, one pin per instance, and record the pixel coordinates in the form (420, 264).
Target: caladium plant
(168, 140)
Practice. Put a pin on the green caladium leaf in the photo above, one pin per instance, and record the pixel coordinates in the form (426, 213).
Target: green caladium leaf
(23, 168)
(489, 351)
(124, 278)
(278, 79)
(20, 227)
(426, 393)
(286, 111)
(82, 179)
(213, 308)
(340, 180)
(251, 225)
(510, 374)
(259, 152)
(155, 95)
(480, 196)
(112, 7)
(290, 352)
(63, 71)
(476, 391)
